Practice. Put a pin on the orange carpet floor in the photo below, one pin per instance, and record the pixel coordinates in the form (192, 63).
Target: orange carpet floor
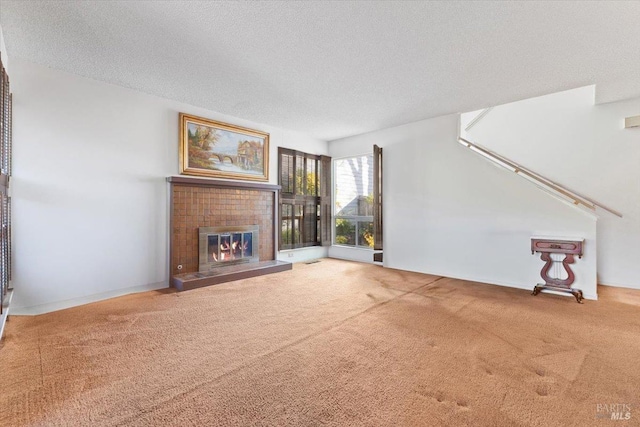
(333, 343)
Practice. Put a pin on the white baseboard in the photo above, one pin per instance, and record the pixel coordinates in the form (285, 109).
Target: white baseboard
(616, 285)
(302, 254)
(492, 282)
(351, 254)
(74, 302)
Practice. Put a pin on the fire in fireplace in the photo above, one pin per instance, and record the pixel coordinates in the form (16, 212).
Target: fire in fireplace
(220, 246)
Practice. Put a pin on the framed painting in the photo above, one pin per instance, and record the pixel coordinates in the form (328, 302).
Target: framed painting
(220, 150)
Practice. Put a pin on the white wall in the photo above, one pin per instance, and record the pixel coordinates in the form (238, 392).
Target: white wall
(3, 51)
(449, 212)
(568, 139)
(90, 198)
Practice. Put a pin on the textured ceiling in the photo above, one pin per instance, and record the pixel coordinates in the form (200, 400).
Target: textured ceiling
(334, 69)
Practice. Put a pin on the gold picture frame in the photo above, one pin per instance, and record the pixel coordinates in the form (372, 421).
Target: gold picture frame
(220, 150)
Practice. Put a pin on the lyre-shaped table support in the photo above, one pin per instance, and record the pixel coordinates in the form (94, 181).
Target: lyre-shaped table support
(569, 248)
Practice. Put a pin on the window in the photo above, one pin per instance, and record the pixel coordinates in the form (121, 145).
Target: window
(353, 201)
(304, 199)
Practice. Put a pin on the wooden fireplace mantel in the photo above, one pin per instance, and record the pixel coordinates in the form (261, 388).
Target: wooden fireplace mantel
(219, 183)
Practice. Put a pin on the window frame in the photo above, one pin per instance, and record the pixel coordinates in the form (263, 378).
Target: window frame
(354, 218)
(299, 199)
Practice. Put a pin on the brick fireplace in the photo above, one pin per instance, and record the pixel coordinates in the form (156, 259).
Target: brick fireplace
(203, 202)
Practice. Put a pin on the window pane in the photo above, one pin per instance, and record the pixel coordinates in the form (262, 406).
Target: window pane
(286, 173)
(297, 224)
(345, 232)
(311, 188)
(300, 178)
(287, 225)
(310, 223)
(354, 186)
(365, 234)
(353, 201)
(318, 224)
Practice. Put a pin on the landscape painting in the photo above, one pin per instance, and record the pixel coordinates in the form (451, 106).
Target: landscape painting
(220, 150)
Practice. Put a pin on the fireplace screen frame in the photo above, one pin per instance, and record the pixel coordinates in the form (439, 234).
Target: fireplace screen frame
(208, 262)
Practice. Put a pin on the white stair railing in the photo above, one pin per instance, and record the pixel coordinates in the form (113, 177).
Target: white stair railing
(477, 118)
(542, 182)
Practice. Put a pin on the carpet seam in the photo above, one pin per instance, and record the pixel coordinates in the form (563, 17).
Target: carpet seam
(413, 290)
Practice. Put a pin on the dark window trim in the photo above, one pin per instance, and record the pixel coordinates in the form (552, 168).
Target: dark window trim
(297, 197)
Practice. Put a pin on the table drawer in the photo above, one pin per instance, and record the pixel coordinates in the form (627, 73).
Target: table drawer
(557, 246)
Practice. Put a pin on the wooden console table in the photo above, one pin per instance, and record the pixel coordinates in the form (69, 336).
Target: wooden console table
(548, 246)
